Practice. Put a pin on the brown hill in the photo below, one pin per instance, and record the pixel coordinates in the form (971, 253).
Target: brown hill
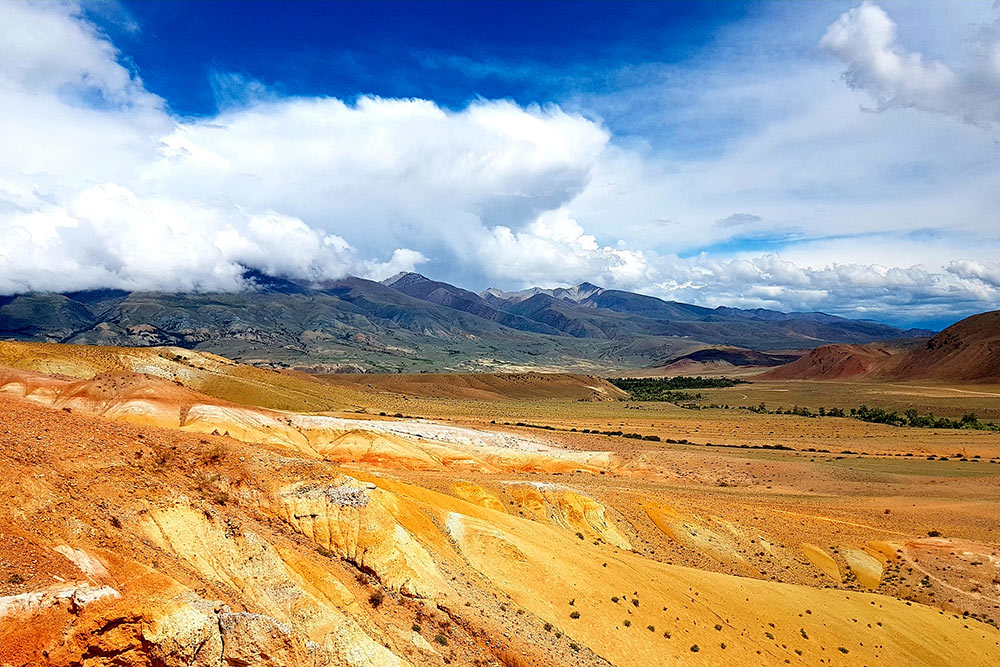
(831, 362)
(968, 351)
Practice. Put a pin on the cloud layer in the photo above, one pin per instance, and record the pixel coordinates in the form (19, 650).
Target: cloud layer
(814, 203)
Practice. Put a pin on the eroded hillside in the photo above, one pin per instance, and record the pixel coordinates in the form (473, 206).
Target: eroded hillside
(153, 522)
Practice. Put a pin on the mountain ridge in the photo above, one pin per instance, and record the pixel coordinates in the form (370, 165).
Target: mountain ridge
(413, 323)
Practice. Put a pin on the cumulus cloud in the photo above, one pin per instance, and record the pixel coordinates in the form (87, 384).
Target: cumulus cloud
(987, 273)
(769, 281)
(557, 240)
(101, 186)
(865, 39)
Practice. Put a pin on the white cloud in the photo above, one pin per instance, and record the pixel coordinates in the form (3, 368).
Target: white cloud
(865, 39)
(554, 249)
(403, 260)
(738, 219)
(101, 186)
(987, 273)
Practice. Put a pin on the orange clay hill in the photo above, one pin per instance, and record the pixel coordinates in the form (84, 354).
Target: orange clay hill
(165, 508)
(968, 351)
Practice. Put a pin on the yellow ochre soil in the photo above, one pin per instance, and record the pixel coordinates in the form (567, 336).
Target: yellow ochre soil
(165, 507)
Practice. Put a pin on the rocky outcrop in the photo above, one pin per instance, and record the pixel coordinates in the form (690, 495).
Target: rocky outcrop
(353, 520)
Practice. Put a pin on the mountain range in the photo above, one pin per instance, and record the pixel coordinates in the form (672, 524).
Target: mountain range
(412, 323)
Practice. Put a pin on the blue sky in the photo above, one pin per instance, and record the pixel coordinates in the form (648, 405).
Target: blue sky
(450, 52)
(834, 156)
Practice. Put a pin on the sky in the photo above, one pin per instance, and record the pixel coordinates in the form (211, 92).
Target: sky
(834, 156)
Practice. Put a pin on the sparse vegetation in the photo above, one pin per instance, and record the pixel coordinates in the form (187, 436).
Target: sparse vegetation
(875, 415)
(376, 598)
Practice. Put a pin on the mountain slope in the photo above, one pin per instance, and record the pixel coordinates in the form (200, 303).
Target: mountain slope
(968, 351)
(416, 324)
(443, 294)
(831, 362)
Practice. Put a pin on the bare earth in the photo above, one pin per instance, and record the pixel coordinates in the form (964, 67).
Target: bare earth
(165, 507)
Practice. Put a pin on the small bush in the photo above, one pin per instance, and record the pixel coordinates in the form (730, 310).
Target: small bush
(651, 628)
(15, 579)
(574, 646)
(548, 627)
(628, 623)
(694, 648)
(441, 639)
(575, 614)
(933, 533)
(415, 627)
(376, 598)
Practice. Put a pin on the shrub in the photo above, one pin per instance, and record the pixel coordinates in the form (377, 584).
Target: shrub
(575, 614)
(441, 639)
(415, 627)
(627, 623)
(376, 598)
(694, 648)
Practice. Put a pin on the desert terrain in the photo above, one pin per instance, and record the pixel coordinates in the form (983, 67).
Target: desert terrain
(170, 507)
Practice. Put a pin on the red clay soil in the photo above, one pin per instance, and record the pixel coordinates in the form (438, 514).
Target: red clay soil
(831, 362)
(968, 351)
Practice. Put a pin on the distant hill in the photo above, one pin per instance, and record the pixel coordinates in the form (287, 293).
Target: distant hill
(968, 351)
(832, 362)
(412, 323)
(716, 360)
